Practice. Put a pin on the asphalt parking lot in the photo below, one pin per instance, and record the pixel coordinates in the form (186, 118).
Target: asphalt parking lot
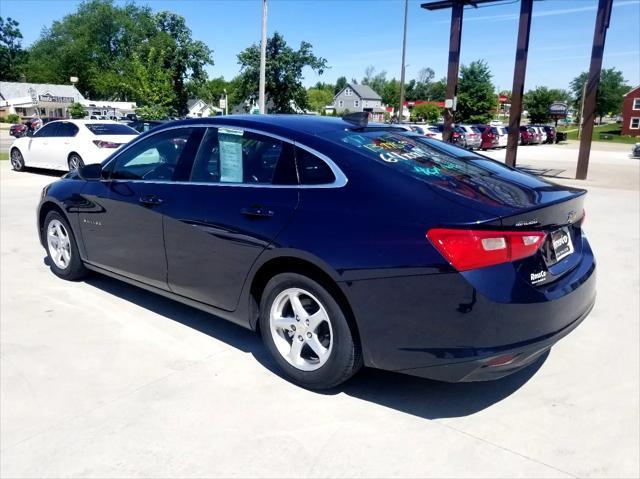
(101, 379)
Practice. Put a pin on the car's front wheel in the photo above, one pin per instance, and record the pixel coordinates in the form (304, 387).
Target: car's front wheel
(75, 162)
(307, 333)
(17, 160)
(62, 249)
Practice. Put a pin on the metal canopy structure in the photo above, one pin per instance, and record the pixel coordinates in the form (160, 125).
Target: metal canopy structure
(520, 67)
(455, 36)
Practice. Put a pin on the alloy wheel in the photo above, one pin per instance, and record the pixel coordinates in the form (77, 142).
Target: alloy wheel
(17, 162)
(75, 162)
(301, 329)
(59, 244)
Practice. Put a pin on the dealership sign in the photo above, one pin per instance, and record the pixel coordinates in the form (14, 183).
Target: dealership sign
(558, 109)
(56, 99)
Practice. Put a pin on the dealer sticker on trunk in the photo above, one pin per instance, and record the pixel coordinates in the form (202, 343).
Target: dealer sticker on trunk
(562, 244)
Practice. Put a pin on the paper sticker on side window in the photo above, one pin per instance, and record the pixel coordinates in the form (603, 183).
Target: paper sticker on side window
(230, 157)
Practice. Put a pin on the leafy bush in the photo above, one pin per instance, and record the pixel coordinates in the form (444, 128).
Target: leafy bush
(76, 111)
(13, 118)
(154, 112)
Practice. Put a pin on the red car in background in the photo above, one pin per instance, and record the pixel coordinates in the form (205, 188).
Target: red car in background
(18, 130)
(528, 136)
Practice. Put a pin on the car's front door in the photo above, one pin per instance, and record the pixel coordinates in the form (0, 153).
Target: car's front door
(241, 193)
(123, 227)
(38, 147)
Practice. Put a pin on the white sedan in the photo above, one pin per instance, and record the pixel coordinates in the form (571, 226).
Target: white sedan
(69, 144)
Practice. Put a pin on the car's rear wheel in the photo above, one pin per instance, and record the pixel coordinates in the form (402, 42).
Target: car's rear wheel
(75, 162)
(17, 160)
(62, 249)
(307, 333)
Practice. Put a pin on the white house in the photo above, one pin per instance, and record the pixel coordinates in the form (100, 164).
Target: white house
(49, 100)
(200, 109)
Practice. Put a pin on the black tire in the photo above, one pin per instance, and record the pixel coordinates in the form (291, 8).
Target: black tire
(345, 358)
(75, 268)
(75, 162)
(17, 160)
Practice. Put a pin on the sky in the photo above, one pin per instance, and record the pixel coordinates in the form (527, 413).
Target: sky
(353, 34)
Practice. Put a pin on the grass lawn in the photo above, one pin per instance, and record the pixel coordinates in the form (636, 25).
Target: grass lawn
(4, 156)
(612, 129)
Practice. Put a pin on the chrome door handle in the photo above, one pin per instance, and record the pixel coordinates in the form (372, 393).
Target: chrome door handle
(150, 200)
(257, 212)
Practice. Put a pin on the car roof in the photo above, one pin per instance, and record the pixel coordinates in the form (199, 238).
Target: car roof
(84, 122)
(276, 123)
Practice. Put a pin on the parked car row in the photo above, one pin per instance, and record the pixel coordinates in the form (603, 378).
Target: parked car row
(482, 136)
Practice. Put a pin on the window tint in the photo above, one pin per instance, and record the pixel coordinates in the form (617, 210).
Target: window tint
(312, 170)
(67, 129)
(232, 155)
(155, 158)
(110, 129)
(47, 131)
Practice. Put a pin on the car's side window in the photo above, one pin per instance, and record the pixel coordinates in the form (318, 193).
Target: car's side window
(157, 157)
(233, 155)
(47, 131)
(67, 129)
(313, 170)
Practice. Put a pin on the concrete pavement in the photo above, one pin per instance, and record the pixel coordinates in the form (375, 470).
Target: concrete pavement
(101, 379)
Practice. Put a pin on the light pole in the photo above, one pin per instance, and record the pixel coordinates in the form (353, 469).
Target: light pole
(263, 59)
(404, 51)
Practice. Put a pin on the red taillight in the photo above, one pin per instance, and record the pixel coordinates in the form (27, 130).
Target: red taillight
(106, 144)
(471, 249)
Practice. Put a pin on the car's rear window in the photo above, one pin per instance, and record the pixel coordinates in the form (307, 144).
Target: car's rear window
(110, 129)
(416, 155)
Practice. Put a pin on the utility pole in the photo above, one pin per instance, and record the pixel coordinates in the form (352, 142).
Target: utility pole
(404, 51)
(263, 60)
(589, 109)
(452, 72)
(584, 92)
(519, 72)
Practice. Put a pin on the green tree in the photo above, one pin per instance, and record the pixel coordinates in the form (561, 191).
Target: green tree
(538, 101)
(341, 84)
(184, 57)
(319, 98)
(476, 97)
(105, 45)
(284, 73)
(213, 90)
(154, 112)
(427, 112)
(11, 54)
(391, 93)
(437, 90)
(76, 110)
(377, 82)
(611, 89)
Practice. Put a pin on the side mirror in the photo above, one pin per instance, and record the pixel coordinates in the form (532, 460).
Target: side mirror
(90, 172)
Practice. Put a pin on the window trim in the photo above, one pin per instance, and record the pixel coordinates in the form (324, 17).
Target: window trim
(356, 103)
(636, 101)
(631, 127)
(340, 181)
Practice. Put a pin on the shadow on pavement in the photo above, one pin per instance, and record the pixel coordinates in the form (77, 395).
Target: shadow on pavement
(419, 397)
(42, 172)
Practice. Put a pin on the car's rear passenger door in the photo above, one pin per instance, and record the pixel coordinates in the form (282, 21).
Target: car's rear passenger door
(241, 193)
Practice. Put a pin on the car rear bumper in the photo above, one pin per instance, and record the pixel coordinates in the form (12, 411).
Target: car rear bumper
(498, 363)
(448, 326)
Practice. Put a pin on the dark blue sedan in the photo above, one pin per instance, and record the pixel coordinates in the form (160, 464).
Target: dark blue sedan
(342, 243)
